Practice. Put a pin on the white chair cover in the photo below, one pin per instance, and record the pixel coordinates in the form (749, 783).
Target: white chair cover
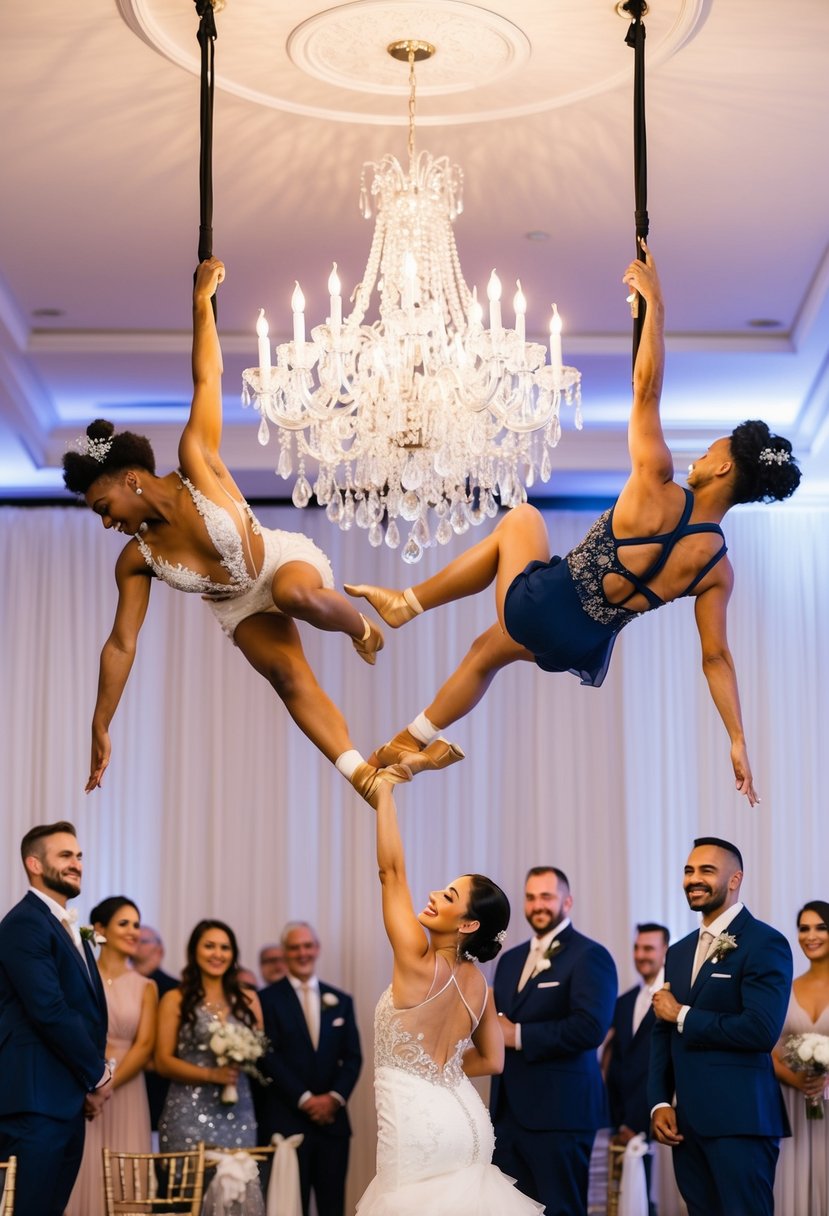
(235, 1189)
(633, 1197)
(284, 1196)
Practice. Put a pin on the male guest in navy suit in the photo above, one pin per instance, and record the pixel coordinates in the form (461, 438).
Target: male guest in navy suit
(555, 996)
(627, 1051)
(53, 1027)
(718, 1017)
(314, 1061)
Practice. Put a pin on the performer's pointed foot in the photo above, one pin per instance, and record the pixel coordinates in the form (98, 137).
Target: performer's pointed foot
(371, 641)
(367, 779)
(405, 749)
(394, 607)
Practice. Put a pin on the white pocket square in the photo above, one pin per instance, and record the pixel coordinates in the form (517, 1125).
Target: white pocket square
(338, 1022)
(719, 975)
(550, 984)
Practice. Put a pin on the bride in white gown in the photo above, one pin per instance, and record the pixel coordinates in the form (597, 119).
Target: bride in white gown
(435, 1027)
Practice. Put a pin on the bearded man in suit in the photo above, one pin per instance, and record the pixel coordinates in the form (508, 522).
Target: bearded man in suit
(314, 1063)
(719, 1015)
(555, 996)
(53, 1026)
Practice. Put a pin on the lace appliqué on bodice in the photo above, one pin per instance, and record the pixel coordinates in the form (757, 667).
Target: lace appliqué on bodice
(224, 536)
(396, 1047)
(589, 562)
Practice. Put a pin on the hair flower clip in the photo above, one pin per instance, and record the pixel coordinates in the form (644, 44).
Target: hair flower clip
(774, 456)
(97, 449)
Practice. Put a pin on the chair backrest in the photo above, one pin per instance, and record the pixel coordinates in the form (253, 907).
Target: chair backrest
(9, 1169)
(140, 1183)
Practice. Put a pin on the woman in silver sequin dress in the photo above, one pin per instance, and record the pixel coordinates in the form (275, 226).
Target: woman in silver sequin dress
(209, 992)
(435, 1027)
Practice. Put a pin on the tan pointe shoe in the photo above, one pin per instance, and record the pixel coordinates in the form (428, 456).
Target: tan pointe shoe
(368, 645)
(404, 749)
(394, 607)
(367, 779)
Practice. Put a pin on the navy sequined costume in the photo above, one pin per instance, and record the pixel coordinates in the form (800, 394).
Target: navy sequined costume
(558, 609)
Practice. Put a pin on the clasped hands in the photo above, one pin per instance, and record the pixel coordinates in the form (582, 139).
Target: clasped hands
(320, 1108)
(95, 1101)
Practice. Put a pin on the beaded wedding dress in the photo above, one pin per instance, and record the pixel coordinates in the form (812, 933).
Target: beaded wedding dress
(434, 1134)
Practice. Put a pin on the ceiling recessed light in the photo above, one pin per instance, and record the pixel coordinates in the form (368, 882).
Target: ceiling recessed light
(764, 323)
(537, 234)
(47, 312)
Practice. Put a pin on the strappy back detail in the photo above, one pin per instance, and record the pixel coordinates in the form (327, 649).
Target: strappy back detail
(226, 539)
(598, 555)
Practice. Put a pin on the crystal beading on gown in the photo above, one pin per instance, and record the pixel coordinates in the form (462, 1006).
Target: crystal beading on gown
(434, 1137)
(195, 1112)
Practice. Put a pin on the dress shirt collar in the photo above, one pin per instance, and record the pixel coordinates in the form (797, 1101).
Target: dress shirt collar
(659, 982)
(722, 922)
(54, 907)
(543, 943)
(312, 983)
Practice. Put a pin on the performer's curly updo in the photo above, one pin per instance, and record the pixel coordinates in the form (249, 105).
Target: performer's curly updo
(489, 905)
(766, 469)
(113, 454)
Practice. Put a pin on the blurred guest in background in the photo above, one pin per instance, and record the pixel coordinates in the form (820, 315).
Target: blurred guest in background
(272, 965)
(147, 961)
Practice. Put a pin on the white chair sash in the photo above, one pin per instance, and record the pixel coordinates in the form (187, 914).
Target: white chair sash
(633, 1197)
(284, 1196)
(230, 1192)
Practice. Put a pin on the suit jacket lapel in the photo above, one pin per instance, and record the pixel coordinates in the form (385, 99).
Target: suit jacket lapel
(548, 972)
(735, 928)
(62, 936)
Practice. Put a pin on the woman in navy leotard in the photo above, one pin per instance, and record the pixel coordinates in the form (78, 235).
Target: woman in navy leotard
(658, 542)
(193, 530)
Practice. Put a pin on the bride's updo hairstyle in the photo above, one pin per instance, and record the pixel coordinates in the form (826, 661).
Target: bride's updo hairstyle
(103, 912)
(192, 987)
(104, 453)
(766, 469)
(490, 907)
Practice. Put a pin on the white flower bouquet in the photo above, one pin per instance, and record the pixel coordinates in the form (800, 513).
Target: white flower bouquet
(239, 1045)
(809, 1053)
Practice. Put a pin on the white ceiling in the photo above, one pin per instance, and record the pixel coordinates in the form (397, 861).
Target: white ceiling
(99, 203)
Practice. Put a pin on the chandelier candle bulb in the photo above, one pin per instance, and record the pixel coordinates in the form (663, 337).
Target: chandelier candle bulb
(493, 291)
(520, 305)
(555, 346)
(264, 348)
(476, 312)
(335, 300)
(298, 306)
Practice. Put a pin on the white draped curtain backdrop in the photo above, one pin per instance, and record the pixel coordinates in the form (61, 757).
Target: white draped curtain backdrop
(215, 804)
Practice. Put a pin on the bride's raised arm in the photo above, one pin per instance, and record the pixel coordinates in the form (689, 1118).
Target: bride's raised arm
(408, 938)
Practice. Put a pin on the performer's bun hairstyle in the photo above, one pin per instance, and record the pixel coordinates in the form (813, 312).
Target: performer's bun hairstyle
(766, 469)
(103, 452)
(490, 907)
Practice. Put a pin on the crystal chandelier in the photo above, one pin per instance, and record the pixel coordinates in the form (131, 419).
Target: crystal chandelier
(423, 415)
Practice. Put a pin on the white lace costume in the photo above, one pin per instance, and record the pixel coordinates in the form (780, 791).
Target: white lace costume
(434, 1134)
(243, 594)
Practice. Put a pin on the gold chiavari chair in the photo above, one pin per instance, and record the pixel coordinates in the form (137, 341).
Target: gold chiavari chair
(615, 1161)
(8, 1174)
(134, 1187)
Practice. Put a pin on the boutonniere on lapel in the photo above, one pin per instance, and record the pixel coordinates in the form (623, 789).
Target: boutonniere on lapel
(329, 1000)
(88, 934)
(724, 943)
(546, 960)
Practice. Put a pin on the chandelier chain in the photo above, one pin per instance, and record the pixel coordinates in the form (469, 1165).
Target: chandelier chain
(412, 102)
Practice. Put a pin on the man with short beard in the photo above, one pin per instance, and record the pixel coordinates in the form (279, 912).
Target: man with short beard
(719, 1015)
(53, 1026)
(555, 996)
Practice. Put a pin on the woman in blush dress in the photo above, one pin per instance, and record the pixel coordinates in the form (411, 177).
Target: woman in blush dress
(802, 1183)
(209, 992)
(132, 1004)
(435, 1027)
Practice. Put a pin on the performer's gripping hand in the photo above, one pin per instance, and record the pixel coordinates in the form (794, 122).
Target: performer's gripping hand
(101, 750)
(742, 773)
(642, 277)
(209, 275)
(663, 1124)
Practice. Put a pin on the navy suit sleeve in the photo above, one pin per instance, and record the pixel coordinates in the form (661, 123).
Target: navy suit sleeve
(348, 1069)
(27, 959)
(765, 981)
(593, 988)
(279, 1063)
(661, 1082)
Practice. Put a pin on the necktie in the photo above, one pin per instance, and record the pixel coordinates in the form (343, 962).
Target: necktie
(67, 924)
(308, 1010)
(530, 963)
(703, 946)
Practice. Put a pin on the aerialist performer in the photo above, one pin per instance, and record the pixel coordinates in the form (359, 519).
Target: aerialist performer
(657, 543)
(193, 529)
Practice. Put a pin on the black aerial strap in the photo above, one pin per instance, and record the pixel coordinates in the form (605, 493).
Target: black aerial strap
(207, 39)
(636, 38)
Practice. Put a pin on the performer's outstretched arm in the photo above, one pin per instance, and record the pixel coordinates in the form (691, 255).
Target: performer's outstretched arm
(203, 431)
(649, 454)
(407, 936)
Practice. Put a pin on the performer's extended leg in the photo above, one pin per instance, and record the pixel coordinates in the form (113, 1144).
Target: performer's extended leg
(519, 538)
(298, 591)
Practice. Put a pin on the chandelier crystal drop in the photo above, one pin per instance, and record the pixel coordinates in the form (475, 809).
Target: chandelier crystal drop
(419, 418)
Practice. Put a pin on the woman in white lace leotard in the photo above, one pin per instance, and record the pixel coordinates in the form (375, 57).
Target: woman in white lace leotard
(193, 529)
(801, 1184)
(435, 1027)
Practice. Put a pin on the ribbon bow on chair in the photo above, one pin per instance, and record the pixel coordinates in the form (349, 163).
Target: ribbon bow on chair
(633, 1196)
(230, 1192)
(284, 1197)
